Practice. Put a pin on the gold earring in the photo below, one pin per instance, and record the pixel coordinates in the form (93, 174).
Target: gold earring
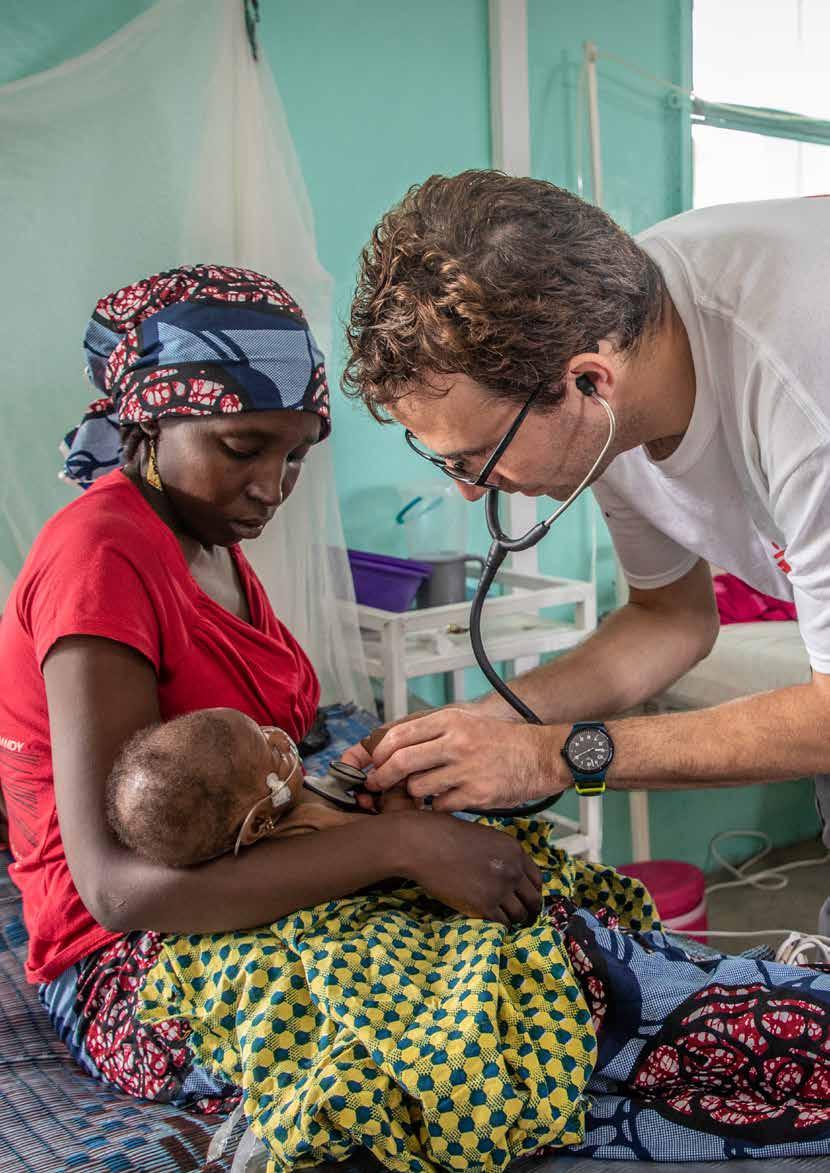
(152, 476)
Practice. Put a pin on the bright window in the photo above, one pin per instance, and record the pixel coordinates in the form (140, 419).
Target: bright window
(770, 53)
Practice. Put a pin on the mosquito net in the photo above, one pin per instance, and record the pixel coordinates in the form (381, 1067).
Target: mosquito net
(167, 144)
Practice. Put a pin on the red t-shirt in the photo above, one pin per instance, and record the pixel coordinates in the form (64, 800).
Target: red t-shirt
(106, 565)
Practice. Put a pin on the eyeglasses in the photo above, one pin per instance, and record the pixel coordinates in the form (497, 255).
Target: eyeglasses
(480, 481)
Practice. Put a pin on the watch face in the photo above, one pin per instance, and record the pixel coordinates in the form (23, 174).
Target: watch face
(589, 750)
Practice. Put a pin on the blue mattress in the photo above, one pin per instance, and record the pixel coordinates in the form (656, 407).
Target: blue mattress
(52, 1116)
(54, 1119)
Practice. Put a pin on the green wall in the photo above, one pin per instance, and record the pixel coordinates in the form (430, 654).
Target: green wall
(644, 152)
(39, 34)
(378, 96)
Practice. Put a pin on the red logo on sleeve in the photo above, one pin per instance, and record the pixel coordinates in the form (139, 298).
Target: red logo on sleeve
(779, 553)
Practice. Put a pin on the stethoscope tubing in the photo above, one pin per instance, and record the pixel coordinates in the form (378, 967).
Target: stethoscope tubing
(501, 546)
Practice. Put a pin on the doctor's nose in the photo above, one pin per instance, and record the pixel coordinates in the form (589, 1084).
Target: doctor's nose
(470, 492)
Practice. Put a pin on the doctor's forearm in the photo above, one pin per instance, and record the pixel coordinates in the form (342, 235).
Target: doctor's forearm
(767, 737)
(634, 655)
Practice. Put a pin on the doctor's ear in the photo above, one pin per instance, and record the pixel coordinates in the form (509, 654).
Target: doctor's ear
(594, 373)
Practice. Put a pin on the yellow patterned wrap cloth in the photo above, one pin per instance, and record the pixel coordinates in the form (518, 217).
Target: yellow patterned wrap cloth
(386, 1021)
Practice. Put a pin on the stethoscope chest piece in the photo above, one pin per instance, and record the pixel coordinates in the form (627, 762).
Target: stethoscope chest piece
(339, 785)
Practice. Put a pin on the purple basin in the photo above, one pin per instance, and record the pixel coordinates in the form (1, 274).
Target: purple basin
(385, 582)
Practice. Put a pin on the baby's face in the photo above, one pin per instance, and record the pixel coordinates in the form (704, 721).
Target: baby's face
(268, 776)
(259, 754)
(277, 754)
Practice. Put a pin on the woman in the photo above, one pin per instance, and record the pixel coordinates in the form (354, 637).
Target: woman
(136, 605)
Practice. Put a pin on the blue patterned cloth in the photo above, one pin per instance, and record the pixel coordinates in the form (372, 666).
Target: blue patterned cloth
(701, 1059)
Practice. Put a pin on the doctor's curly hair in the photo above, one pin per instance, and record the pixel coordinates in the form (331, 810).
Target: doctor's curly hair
(498, 278)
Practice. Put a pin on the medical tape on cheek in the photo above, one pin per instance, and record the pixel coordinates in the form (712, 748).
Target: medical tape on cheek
(282, 798)
(280, 790)
(292, 757)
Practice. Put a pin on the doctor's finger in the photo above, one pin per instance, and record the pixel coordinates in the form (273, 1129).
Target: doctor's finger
(366, 801)
(376, 735)
(415, 732)
(435, 783)
(452, 798)
(357, 755)
(412, 759)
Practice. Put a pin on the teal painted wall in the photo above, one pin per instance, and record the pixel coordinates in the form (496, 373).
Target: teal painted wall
(39, 34)
(378, 96)
(643, 154)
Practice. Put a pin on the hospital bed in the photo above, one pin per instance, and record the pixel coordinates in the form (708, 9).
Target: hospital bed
(53, 1119)
(747, 658)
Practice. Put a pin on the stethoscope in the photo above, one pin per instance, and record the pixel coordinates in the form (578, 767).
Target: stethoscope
(501, 546)
(343, 778)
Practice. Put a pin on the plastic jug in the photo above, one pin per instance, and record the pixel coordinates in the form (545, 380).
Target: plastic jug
(448, 581)
(434, 519)
(435, 527)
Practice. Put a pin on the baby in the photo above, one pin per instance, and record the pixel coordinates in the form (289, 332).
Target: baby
(194, 788)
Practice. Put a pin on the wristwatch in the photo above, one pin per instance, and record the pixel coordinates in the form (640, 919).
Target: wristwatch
(589, 751)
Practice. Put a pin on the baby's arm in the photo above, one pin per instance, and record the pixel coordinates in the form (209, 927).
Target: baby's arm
(313, 813)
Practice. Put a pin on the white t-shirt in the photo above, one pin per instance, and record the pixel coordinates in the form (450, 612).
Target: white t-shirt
(748, 488)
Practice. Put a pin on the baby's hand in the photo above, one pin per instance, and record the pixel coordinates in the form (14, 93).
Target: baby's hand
(386, 801)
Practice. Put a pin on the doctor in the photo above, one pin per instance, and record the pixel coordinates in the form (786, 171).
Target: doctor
(708, 337)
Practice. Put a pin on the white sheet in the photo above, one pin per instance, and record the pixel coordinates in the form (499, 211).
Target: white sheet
(747, 658)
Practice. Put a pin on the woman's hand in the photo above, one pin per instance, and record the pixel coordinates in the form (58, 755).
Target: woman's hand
(464, 761)
(478, 871)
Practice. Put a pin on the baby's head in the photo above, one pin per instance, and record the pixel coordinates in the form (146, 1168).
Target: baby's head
(183, 792)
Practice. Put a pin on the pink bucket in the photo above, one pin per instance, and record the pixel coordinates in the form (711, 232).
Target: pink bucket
(678, 892)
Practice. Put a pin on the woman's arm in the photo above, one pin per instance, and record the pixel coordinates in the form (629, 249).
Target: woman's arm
(100, 693)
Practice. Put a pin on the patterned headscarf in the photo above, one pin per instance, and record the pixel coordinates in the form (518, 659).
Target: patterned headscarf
(200, 340)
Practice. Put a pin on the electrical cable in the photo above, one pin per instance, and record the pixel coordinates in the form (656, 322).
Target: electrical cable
(793, 950)
(769, 880)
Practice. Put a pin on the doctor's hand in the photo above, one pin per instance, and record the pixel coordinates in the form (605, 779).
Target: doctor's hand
(466, 761)
(360, 755)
